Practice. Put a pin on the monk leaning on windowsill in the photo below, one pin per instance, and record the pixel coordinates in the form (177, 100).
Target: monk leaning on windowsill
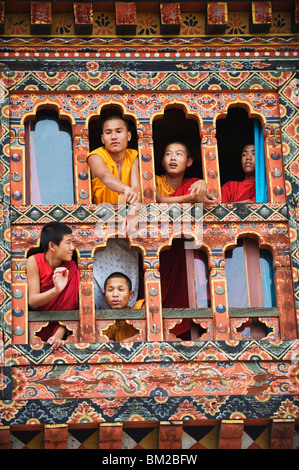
(53, 279)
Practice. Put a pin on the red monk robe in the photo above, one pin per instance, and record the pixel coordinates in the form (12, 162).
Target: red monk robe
(173, 272)
(237, 191)
(68, 299)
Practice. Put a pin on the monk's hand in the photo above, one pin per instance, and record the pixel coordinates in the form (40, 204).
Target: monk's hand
(207, 199)
(199, 188)
(131, 196)
(60, 278)
(55, 342)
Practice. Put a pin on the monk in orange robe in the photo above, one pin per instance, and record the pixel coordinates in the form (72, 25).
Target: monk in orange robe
(173, 187)
(114, 167)
(118, 292)
(242, 191)
(53, 279)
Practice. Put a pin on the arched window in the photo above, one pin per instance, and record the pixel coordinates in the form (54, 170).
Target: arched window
(49, 160)
(250, 275)
(234, 132)
(184, 281)
(250, 278)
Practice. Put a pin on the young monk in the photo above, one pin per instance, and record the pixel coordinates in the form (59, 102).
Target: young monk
(115, 174)
(173, 187)
(53, 278)
(118, 293)
(114, 167)
(242, 191)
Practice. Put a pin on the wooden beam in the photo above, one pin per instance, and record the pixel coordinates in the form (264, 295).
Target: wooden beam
(170, 434)
(55, 436)
(110, 436)
(282, 434)
(83, 17)
(231, 432)
(125, 18)
(134, 314)
(4, 437)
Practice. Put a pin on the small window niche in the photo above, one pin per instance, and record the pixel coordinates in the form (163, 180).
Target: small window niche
(174, 125)
(115, 322)
(250, 282)
(185, 285)
(49, 159)
(96, 122)
(233, 133)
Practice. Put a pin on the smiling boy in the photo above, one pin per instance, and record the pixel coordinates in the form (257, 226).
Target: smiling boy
(114, 167)
(53, 278)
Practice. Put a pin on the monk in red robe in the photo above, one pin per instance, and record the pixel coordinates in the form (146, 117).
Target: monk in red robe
(242, 191)
(53, 279)
(173, 187)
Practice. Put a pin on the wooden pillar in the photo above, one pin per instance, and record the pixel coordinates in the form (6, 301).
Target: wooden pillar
(170, 434)
(86, 301)
(19, 302)
(17, 162)
(274, 164)
(55, 436)
(282, 434)
(153, 303)
(81, 168)
(219, 303)
(286, 303)
(4, 437)
(209, 153)
(110, 435)
(146, 163)
(231, 432)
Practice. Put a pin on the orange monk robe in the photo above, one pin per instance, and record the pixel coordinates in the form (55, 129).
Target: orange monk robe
(165, 190)
(122, 330)
(100, 192)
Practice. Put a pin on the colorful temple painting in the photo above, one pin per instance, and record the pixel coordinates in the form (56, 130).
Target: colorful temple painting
(209, 74)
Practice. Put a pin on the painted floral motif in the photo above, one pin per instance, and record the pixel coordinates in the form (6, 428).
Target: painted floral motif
(147, 26)
(191, 25)
(236, 25)
(287, 410)
(279, 24)
(84, 413)
(63, 26)
(17, 26)
(103, 25)
(9, 408)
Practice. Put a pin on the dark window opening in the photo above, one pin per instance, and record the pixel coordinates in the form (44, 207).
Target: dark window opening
(184, 282)
(232, 133)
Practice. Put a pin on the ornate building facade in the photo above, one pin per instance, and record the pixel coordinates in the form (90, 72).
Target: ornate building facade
(203, 71)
